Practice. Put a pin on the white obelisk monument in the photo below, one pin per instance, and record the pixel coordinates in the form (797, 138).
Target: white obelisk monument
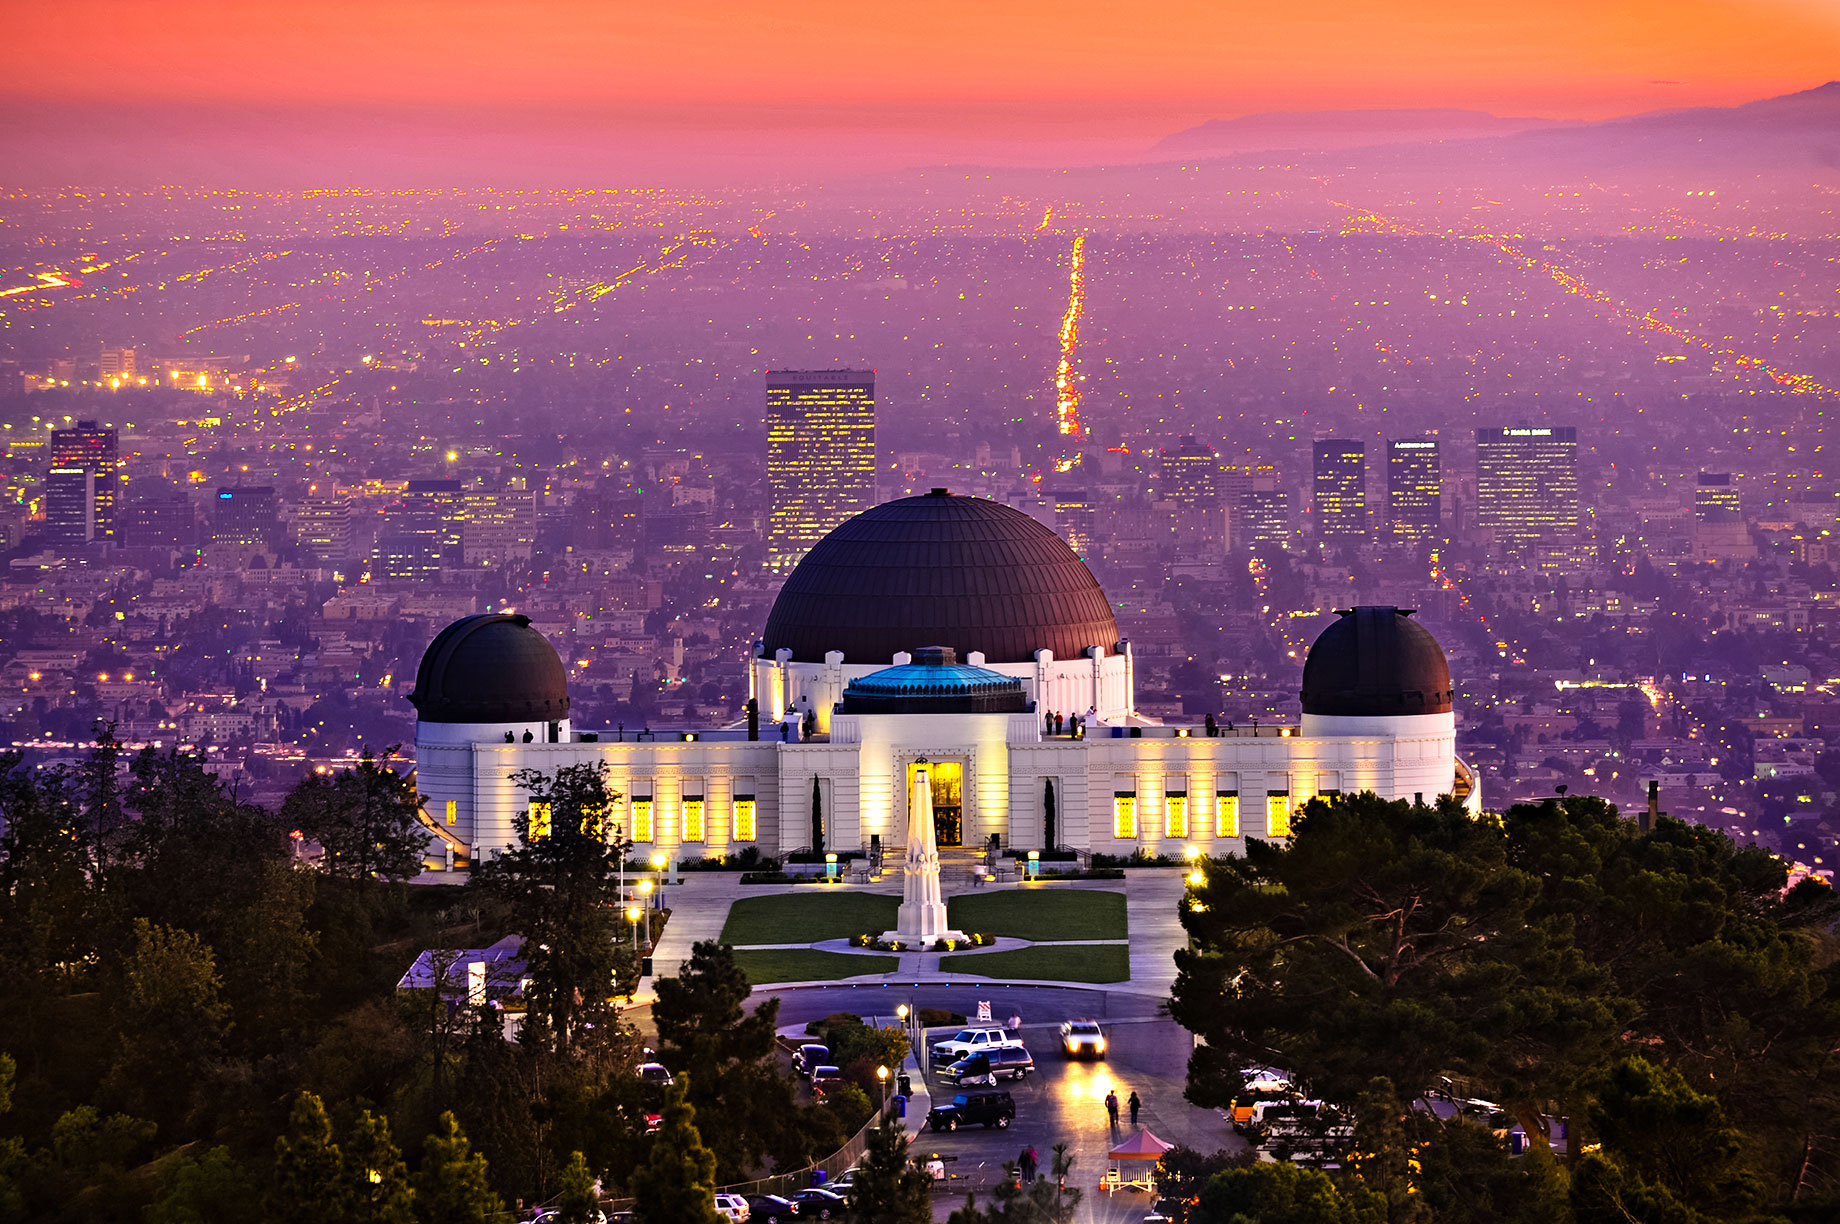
(922, 917)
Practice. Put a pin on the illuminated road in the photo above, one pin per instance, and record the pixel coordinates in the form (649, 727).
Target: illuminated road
(1066, 382)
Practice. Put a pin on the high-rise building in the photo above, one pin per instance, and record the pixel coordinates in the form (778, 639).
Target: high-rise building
(70, 506)
(820, 456)
(1527, 484)
(1414, 489)
(432, 512)
(94, 449)
(1714, 498)
(248, 516)
(1262, 520)
(1341, 490)
(322, 525)
(1191, 476)
(1076, 518)
(500, 526)
(159, 519)
(117, 363)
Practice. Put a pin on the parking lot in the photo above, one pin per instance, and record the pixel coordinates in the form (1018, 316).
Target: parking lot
(1064, 1102)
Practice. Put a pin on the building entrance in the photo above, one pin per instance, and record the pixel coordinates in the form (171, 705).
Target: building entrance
(948, 779)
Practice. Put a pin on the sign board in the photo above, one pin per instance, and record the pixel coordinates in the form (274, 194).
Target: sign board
(983, 1014)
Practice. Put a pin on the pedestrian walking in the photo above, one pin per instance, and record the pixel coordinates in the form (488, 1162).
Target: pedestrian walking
(1111, 1108)
(1135, 1105)
(1057, 724)
(1034, 1163)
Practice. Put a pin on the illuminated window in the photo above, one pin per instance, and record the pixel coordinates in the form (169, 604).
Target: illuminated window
(642, 818)
(1278, 814)
(453, 811)
(539, 821)
(1124, 814)
(1226, 814)
(693, 819)
(745, 826)
(1175, 814)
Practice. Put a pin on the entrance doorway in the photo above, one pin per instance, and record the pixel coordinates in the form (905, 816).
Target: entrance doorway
(948, 779)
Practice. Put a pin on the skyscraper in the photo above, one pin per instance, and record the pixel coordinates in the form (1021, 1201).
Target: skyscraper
(1527, 484)
(1414, 489)
(1191, 476)
(322, 524)
(1341, 490)
(1264, 520)
(246, 515)
(820, 456)
(70, 506)
(93, 449)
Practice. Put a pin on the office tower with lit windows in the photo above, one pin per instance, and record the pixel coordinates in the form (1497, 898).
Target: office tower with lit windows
(94, 449)
(1341, 490)
(116, 364)
(1191, 476)
(500, 525)
(70, 506)
(1414, 489)
(248, 516)
(1527, 485)
(1715, 499)
(161, 518)
(431, 516)
(820, 456)
(1076, 517)
(322, 525)
(1263, 521)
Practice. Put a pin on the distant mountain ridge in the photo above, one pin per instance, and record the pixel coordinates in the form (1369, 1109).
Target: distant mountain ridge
(1311, 131)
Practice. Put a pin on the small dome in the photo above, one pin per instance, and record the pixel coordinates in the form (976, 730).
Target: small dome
(491, 668)
(1375, 662)
(968, 572)
(935, 683)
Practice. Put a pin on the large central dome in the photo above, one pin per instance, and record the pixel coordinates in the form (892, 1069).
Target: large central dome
(940, 570)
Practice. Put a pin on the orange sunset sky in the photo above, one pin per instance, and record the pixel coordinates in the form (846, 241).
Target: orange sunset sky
(1039, 80)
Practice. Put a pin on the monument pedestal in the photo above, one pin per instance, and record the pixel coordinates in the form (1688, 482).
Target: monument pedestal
(922, 916)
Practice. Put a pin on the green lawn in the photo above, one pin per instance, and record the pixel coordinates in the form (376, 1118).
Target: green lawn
(1066, 963)
(765, 965)
(1039, 913)
(808, 917)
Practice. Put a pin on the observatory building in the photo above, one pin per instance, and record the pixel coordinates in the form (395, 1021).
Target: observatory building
(934, 633)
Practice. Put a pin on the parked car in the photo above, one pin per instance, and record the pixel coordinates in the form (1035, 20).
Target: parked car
(551, 1217)
(1268, 1080)
(973, 1041)
(973, 1108)
(732, 1207)
(823, 1077)
(1010, 1063)
(655, 1073)
(1266, 1114)
(810, 1055)
(818, 1203)
(1083, 1039)
(771, 1209)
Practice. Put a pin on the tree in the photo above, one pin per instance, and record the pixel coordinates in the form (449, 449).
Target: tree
(309, 1180)
(1042, 1203)
(577, 1203)
(705, 1030)
(213, 1190)
(560, 884)
(172, 1020)
(817, 817)
(1286, 1194)
(889, 1188)
(1391, 939)
(367, 819)
(1383, 1153)
(1050, 835)
(374, 1170)
(1668, 1153)
(451, 1185)
(678, 1184)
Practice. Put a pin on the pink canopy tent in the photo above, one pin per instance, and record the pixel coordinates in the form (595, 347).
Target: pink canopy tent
(1141, 1148)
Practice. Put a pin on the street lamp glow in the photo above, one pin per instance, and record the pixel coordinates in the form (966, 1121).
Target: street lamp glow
(632, 913)
(901, 1011)
(658, 862)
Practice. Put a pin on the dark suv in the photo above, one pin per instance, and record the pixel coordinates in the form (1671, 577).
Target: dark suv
(1013, 1063)
(969, 1108)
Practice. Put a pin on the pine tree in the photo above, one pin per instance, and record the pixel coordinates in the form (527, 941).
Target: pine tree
(375, 1171)
(309, 1186)
(888, 1188)
(678, 1184)
(577, 1203)
(451, 1186)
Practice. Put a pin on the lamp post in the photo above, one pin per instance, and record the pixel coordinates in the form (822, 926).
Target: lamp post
(658, 862)
(645, 893)
(881, 1074)
(632, 916)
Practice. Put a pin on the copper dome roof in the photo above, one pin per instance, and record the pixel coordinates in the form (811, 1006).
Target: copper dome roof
(1375, 662)
(964, 572)
(491, 668)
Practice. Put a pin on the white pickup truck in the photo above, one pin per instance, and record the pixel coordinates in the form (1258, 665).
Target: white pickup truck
(974, 1041)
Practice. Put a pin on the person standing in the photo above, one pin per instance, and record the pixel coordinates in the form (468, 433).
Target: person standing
(1111, 1108)
(1135, 1105)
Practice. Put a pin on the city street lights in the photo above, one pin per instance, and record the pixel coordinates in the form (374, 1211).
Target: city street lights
(881, 1073)
(645, 892)
(632, 916)
(658, 862)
